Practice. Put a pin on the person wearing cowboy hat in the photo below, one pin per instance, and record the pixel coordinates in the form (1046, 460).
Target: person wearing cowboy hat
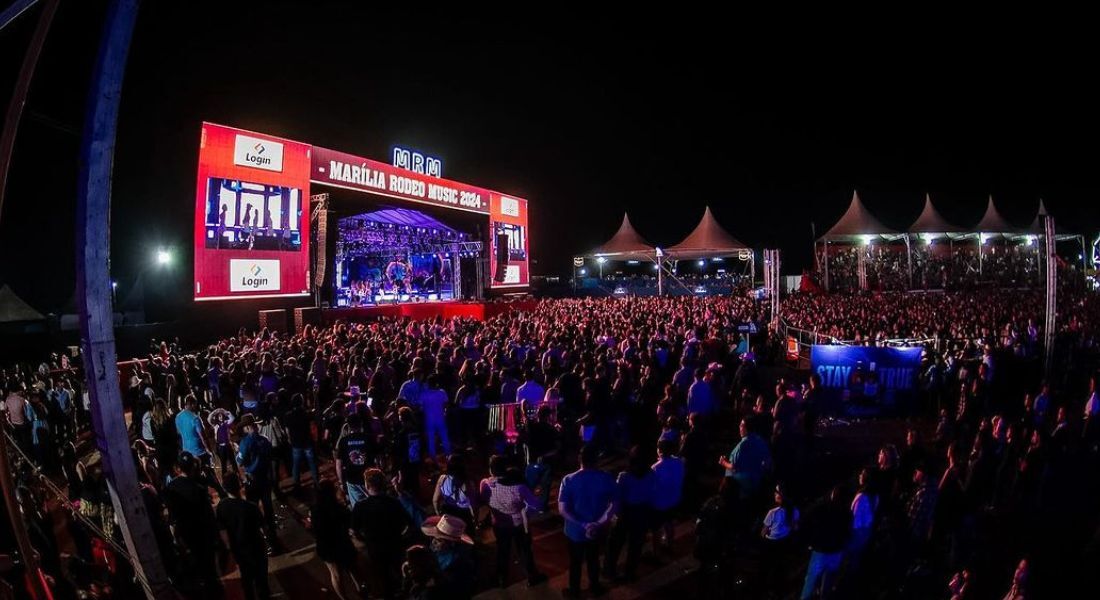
(254, 457)
(452, 548)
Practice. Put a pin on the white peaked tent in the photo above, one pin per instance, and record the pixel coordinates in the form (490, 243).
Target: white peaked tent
(993, 223)
(14, 309)
(932, 222)
(708, 240)
(1036, 227)
(856, 224)
(626, 244)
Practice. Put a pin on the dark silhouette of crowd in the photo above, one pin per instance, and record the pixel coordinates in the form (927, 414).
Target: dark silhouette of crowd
(635, 422)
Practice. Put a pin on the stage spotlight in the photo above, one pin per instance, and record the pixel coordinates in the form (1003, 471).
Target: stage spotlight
(601, 260)
(584, 272)
(702, 262)
(164, 257)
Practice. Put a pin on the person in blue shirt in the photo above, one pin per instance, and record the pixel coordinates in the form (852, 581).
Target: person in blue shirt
(700, 398)
(748, 461)
(587, 500)
(636, 489)
(190, 428)
(62, 407)
(668, 480)
(254, 457)
(410, 390)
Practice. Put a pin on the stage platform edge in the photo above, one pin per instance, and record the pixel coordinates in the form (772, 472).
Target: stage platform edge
(426, 310)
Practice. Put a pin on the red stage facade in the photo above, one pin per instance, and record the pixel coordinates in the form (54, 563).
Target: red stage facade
(252, 213)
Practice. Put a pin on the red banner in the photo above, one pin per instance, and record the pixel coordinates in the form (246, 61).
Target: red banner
(251, 215)
(364, 175)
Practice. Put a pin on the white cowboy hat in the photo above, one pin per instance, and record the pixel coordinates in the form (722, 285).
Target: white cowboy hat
(447, 527)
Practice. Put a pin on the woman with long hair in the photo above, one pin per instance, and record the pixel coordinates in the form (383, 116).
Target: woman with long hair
(468, 400)
(453, 492)
(330, 521)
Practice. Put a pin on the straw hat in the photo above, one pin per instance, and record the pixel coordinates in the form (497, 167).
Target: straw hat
(446, 527)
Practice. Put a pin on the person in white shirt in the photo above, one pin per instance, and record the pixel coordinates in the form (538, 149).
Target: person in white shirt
(433, 400)
(780, 522)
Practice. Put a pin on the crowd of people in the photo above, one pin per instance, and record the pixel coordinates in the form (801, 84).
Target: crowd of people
(678, 284)
(940, 265)
(627, 419)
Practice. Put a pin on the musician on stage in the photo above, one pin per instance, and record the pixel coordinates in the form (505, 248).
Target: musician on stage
(243, 226)
(398, 273)
(220, 231)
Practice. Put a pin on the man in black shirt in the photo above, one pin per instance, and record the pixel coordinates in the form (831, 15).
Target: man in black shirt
(381, 522)
(194, 523)
(827, 531)
(298, 427)
(243, 525)
(293, 378)
(354, 453)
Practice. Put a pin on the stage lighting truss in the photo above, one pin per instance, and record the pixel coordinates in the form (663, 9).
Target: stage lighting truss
(351, 249)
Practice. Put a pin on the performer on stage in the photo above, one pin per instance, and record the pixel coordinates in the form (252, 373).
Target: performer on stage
(220, 231)
(243, 226)
(252, 228)
(398, 273)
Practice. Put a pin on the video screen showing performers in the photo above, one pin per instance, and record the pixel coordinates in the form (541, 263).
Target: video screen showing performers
(241, 215)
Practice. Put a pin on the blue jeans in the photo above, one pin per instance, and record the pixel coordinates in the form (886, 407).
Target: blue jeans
(820, 573)
(356, 493)
(434, 428)
(297, 454)
(538, 474)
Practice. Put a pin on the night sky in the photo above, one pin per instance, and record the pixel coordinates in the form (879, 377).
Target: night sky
(770, 123)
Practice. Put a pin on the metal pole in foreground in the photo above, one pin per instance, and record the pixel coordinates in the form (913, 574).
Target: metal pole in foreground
(94, 295)
(1052, 296)
(660, 272)
(12, 117)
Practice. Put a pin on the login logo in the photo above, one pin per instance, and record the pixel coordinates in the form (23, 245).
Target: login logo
(254, 275)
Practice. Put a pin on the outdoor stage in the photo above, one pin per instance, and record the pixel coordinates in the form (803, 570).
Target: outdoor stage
(426, 310)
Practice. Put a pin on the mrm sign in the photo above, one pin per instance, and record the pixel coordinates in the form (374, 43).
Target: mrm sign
(417, 162)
